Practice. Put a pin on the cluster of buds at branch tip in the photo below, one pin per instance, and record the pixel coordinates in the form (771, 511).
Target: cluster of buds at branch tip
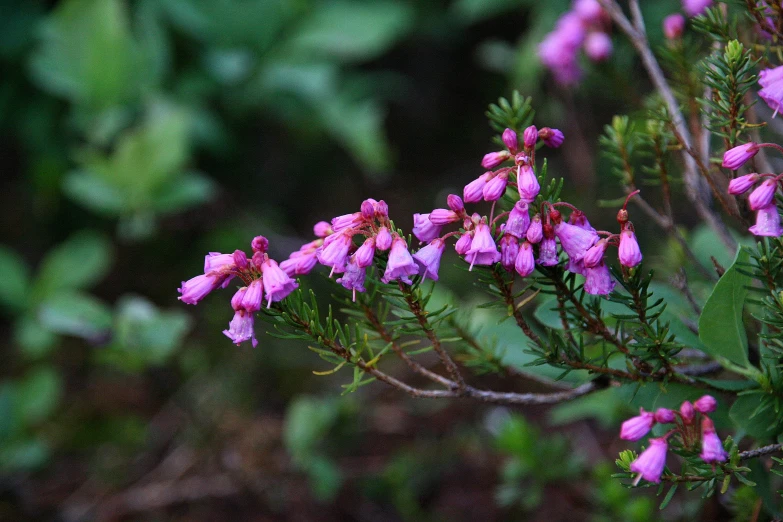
(691, 435)
(762, 198)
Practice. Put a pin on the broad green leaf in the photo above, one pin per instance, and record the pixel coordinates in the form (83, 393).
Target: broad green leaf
(79, 262)
(37, 394)
(95, 193)
(183, 192)
(352, 30)
(88, 55)
(15, 280)
(755, 413)
(78, 314)
(721, 329)
(34, 340)
(307, 421)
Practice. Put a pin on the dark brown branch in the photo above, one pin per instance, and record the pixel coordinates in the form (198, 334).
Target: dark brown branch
(506, 289)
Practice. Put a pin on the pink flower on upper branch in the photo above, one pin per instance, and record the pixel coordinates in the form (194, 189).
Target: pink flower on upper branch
(353, 277)
(277, 284)
(510, 140)
(598, 46)
(530, 137)
(695, 7)
(527, 183)
(706, 404)
(525, 262)
(424, 229)
(771, 81)
(483, 250)
(518, 220)
(553, 138)
(197, 288)
(383, 240)
(535, 232)
(674, 26)
(474, 190)
(665, 416)
(651, 462)
(737, 156)
(493, 159)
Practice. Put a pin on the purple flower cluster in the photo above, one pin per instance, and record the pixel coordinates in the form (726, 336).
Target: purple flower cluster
(263, 279)
(762, 198)
(527, 235)
(583, 27)
(649, 465)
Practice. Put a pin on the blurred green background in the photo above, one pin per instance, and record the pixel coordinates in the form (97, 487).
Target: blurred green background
(135, 136)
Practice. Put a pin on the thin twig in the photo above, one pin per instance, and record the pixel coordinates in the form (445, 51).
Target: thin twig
(760, 452)
(421, 316)
(636, 35)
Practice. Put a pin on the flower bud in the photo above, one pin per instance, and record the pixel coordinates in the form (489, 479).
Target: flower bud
(687, 412)
(493, 159)
(527, 183)
(552, 138)
(510, 140)
(455, 203)
(463, 244)
(674, 26)
(742, 184)
(525, 262)
(322, 229)
(763, 195)
(368, 208)
(259, 244)
(705, 404)
(474, 191)
(240, 259)
(382, 209)
(383, 239)
(598, 46)
(629, 253)
(736, 157)
(530, 137)
(535, 232)
(664, 416)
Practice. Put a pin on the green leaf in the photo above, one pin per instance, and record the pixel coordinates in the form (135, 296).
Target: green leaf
(307, 421)
(80, 262)
(183, 192)
(755, 413)
(352, 30)
(15, 281)
(721, 328)
(37, 394)
(34, 340)
(88, 55)
(95, 193)
(78, 314)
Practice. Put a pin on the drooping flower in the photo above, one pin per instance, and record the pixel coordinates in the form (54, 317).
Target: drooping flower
(629, 253)
(240, 259)
(598, 46)
(400, 264)
(424, 229)
(674, 26)
(383, 239)
(547, 252)
(474, 191)
(429, 257)
(518, 220)
(705, 404)
(509, 248)
(277, 284)
(353, 277)
(742, 184)
(651, 462)
(483, 250)
(322, 229)
(763, 195)
(771, 81)
(535, 232)
(575, 240)
(711, 446)
(736, 157)
(637, 427)
(253, 297)
(303, 260)
(195, 289)
(527, 183)
(552, 138)
(240, 329)
(455, 203)
(598, 280)
(579, 219)
(767, 222)
(525, 262)
(695, 7)
(335, 251)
